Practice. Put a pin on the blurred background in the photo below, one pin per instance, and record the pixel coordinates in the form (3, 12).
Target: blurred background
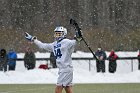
(110, 24)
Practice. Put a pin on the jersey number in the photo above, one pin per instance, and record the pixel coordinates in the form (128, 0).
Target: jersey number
(58, 53)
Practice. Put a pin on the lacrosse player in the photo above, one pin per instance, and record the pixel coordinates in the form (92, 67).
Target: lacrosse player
(62, 49)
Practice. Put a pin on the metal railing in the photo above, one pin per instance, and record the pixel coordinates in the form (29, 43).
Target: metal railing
(89, 59)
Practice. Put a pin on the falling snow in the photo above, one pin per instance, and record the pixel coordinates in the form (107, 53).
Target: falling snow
(107, 21)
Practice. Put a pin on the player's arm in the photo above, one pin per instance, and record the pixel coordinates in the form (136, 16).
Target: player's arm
(47, 46)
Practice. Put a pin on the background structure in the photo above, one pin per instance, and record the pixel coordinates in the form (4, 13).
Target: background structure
(111, 24)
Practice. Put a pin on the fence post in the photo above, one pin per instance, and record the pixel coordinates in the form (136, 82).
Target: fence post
(132, 65)
(89, 65)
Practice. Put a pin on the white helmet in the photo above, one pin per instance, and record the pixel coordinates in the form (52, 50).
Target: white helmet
(60, 32)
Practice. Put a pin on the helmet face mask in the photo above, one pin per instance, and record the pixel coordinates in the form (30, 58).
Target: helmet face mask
(60, 33)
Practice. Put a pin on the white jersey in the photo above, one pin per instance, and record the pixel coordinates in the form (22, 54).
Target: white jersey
(62, 50)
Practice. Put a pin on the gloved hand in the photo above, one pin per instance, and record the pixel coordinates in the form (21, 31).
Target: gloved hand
(78, 35)
(30, 37)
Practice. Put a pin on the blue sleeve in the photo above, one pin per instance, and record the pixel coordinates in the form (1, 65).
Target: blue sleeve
(16, 55)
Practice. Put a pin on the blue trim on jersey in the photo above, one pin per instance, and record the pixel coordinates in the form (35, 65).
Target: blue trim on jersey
(57, 51)
(57, 46)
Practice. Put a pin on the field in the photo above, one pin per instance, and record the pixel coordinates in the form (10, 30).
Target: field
(78, 88)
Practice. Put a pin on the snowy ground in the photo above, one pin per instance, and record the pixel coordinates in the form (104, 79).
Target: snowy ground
(82, 74)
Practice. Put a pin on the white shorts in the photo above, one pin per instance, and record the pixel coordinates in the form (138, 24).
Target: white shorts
(65, 79)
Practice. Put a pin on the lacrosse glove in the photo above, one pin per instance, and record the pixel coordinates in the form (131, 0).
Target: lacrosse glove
(30, 37)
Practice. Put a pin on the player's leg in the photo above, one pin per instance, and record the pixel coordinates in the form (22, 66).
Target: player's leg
(98, 66)
(59, 85)
(68, 89)
(103, 66)
(68, 82)
(139, 65)
(65, 79)
(114, 66)
(58, 89)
